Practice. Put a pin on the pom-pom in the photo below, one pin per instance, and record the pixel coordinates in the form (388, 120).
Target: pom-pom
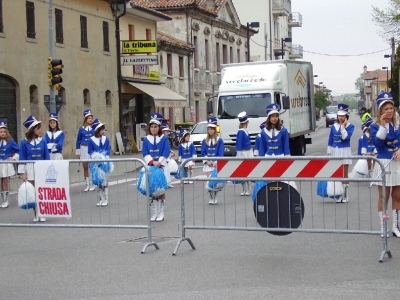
(26, 196)
(215, 185)
(157, 182)
(100, 170)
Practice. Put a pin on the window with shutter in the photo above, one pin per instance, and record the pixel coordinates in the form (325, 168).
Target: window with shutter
(59, 26)
(106, 40)
(30, 20)
(84, 39)
(1, 16)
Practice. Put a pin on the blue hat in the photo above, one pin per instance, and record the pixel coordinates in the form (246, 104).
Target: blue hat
(87, 112)
(273, 109)
(156, 118)
(53, 116)
(183, 133)
(242, 117)
(3, 124)
(384, 98)
(164, 126)
(368, 121)
(31, 122)
(262, 125)
(212, 122)
(97, 124)
(343, 109)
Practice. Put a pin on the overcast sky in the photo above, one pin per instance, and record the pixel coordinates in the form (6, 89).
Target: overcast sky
(340, 27)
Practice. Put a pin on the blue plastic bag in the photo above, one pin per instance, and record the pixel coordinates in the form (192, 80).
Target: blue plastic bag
(322, 189)
(177, 175)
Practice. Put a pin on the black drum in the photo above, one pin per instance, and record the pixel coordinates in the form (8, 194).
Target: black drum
(279, 205)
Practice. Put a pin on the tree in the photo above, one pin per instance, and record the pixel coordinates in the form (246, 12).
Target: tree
(321, 100)
(388, 20)
(359, 83)
(394, 80)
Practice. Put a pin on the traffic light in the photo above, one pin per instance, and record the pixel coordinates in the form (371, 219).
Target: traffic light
(54, 69)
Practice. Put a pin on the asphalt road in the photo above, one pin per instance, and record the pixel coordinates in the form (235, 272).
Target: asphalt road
(87, 263)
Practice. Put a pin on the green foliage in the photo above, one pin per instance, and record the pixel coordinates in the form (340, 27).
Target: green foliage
(351, 103)
(359, 83)
(388, 20)
(321, 100)
(394, 81)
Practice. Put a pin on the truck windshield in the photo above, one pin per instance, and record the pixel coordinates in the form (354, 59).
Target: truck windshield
(253, 104)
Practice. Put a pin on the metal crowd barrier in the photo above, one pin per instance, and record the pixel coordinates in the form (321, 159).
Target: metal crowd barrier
(126, 209)
(321, 214)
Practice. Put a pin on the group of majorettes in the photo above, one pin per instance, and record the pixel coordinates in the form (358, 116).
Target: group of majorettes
(49, 146)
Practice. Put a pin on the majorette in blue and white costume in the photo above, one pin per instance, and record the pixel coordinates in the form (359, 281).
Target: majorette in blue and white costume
(243, 146)
(368, 147)
(186, 150)
(8, 151)
(339, 136)
(156, 150)
(85, 132)
(385, 133)
(274, 141)
(258, 141)
(211, 146)
(165, 130)
(99, 148)
(214, 147)
(36, 149)
(54, 139)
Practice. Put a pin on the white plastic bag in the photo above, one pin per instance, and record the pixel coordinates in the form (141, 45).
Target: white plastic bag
(26, 196)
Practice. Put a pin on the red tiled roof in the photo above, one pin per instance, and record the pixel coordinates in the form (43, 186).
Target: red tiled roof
(162, 37)
(381, 74)
(202, 4)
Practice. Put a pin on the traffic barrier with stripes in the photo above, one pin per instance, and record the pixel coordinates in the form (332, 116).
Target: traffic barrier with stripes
(288, 202)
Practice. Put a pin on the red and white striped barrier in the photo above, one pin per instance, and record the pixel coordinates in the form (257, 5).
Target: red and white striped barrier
(317, 168)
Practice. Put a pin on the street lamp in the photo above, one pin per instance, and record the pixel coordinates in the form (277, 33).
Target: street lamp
(250, 25)
(387, 77)
(285, 40)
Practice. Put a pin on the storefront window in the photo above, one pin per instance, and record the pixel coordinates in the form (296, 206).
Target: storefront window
(128, 114)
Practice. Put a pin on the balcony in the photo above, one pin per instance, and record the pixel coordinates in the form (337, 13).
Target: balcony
(295, 20)
(281, 8)
(296, 51)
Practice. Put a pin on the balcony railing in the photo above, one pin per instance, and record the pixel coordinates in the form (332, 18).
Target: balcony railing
(296, 51)
(281, 7)
(295, 19)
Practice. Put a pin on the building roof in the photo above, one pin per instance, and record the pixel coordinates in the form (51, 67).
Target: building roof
(165, 4)
(382, 75)
(168, 39)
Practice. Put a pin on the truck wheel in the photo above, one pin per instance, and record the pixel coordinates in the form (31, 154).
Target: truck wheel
(327, 125)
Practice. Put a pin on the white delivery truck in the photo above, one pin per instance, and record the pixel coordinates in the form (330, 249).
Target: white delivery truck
(252, 86)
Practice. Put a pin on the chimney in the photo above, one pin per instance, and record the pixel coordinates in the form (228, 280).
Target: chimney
(365, 69)
(211, 4)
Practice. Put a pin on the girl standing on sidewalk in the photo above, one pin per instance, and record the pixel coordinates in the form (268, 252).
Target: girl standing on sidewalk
(99, 148)
(211, 146)
(54, 138)
(8, 147)
(32, 147)
(243, 146)
(155, 151)
(85, 132)
(385, 133)
(339, 144)
(186, 150)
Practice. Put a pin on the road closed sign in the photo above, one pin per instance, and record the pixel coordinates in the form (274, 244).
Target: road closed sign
(139, 46)
(52, 188)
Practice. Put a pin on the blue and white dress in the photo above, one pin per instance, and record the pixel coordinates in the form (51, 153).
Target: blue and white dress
(156, 148)
(339, 141)
(368, 146)
(82, 140)
(99, 148)
(214, 148)
(186, 150)
(7, 149)
(274, 142)
(243, 143)
(387, 141)
(35, 150)
(257, 145)
(55, 142)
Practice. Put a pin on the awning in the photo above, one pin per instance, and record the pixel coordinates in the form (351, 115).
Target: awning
(163, 97)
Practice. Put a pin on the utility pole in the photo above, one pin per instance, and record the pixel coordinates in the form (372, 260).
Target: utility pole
(393, 54)
(51, 54)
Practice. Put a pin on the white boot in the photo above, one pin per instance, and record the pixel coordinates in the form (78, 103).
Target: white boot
(381, 219)
(243, 189)
(154, 210)
(91, 186)
(247, 188)
(87, 184)
(210, 196)
(105, 200)
(215, 198)
(190, 174)
(101, 195)
(395, 227)
(345, 198)
(4, 203)
(160, 216)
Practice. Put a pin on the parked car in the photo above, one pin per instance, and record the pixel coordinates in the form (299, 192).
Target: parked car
(330, 115)
(198, 134)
